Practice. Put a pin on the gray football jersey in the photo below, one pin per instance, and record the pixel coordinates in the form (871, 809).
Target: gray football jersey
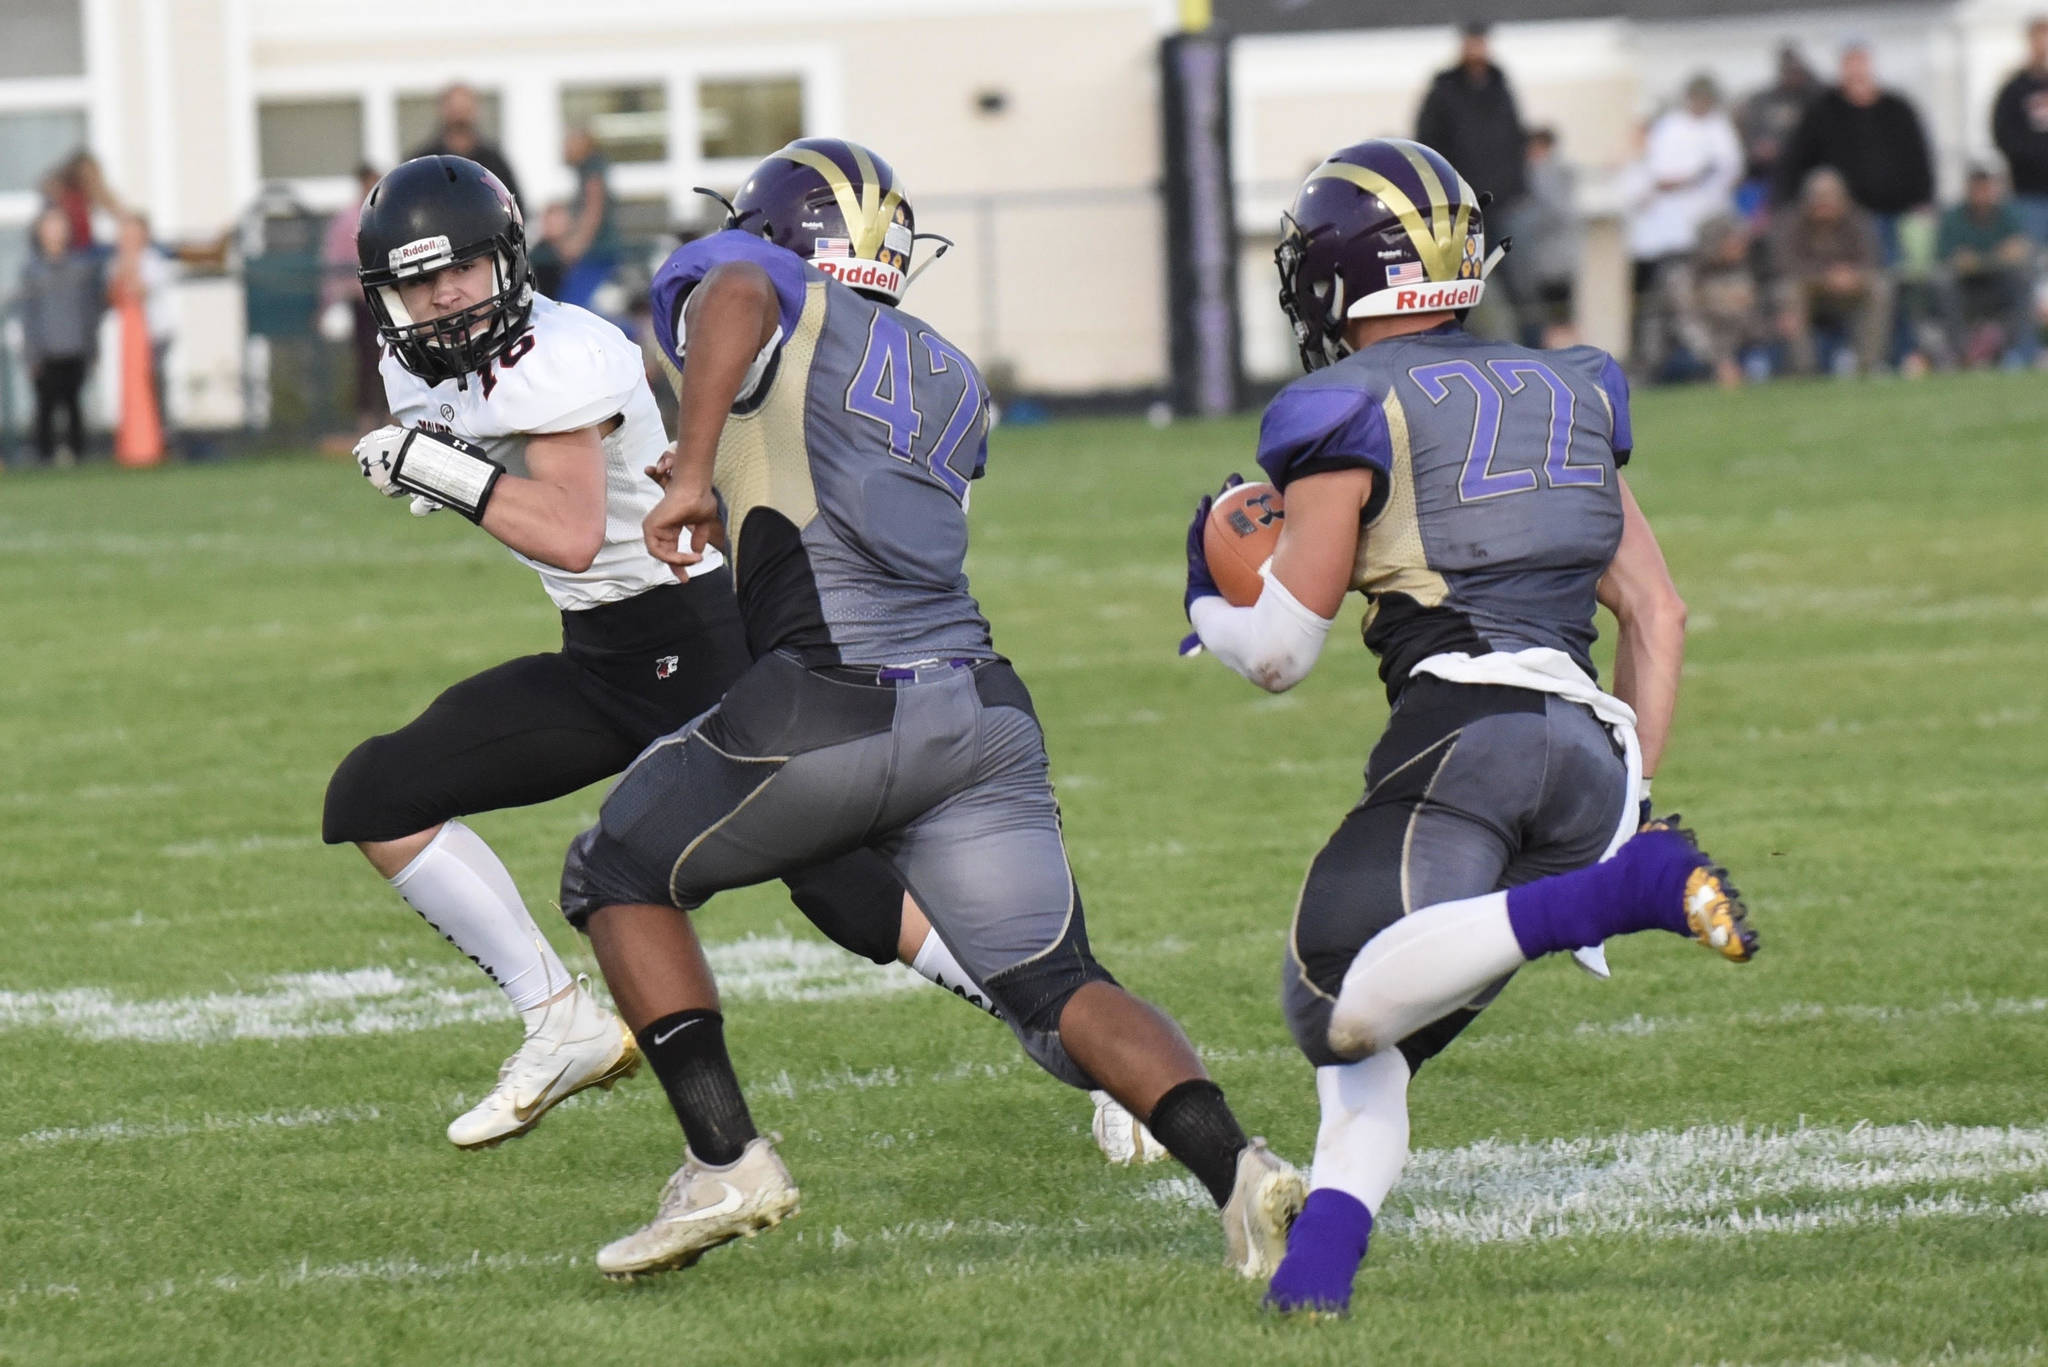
(1497, 505)
(845, 476)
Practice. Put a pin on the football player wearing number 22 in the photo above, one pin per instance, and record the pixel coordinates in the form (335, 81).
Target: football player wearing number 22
(534, 420)
(1472, 491)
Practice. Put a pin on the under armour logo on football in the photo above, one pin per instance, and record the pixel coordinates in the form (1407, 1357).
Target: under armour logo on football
(1261, 508)
(667, 665)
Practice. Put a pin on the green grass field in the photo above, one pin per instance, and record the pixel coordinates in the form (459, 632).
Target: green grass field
(230, 1052)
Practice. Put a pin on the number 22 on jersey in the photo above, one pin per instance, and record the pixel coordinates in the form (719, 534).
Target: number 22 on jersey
(1509, 379)
(884, 390)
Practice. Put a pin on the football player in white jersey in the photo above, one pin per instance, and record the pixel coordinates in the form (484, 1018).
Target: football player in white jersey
(534, 420)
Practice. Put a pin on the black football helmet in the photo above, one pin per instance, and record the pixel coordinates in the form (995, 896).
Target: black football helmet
(838, 206)
(1380, 228)
(433, 212)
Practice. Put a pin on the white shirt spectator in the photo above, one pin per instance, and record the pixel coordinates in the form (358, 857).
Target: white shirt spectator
(1691, 163)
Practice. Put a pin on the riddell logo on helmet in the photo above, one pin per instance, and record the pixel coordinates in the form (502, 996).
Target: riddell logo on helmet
(868, 275)
(1454, 294)
(420, 249)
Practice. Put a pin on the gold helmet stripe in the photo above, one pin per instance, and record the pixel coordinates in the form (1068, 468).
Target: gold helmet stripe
(1440, 251)
(868, 211)
(1449, 231)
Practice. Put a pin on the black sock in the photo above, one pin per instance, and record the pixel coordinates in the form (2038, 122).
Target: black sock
(1195, 1124)
(687, 1052)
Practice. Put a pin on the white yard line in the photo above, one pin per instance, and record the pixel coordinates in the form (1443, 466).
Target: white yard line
(378, 1001)
(116, 1131)
(1706, 1182)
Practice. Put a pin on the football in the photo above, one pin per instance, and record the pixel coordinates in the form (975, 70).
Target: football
(1244, 527)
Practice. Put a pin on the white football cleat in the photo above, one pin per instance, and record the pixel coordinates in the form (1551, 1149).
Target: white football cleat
(703, 1207)
(1268, 1195)
(1120, 1135)
(577, 1044)
(1593, 958)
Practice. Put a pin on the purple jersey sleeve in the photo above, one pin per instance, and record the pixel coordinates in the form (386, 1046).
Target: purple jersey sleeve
(692, 261)
(1615, 383)
(1311, 430)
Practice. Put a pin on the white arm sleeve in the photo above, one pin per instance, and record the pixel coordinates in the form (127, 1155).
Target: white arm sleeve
(1274, 642)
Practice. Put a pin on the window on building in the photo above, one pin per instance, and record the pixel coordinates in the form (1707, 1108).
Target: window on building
(42, 38)
(751, 117)
(628, 122)
(309, 137)
(419, 119)
(33, 141)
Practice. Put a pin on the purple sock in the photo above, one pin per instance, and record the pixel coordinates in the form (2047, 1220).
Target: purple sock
(1324, 1250)
(1641, 888)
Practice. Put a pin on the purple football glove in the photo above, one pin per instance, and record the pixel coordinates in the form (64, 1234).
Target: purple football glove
(1201, 584)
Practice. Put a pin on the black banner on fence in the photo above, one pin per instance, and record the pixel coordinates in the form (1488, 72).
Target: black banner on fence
(1201, 224)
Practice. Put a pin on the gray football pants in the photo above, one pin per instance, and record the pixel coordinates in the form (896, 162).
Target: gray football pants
(1471, 789)
(944, 775)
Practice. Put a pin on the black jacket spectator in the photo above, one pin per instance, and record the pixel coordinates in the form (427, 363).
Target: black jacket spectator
(2019, 124)
(1879, 148)
(1473, 121)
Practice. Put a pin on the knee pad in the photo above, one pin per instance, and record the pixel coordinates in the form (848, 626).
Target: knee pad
(1045, 1050)
(366, 798)
(598, 872)
(1032, 994)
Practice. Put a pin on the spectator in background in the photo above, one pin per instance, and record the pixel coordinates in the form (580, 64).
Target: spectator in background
(459, 136)
(59, 299)
(1469, 116)
(1546, 255)
(590, 247)
(544, 253)
(345, 314)
(2019, 124)
(76, 187)
(1718, 309)
(1986, 281)
(1690, 164)
(1766, 121)
(1830, 272)
(1873, 137)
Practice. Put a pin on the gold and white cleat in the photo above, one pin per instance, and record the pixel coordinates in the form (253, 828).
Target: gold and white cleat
(703, 1207)
(1714, 910)
(1268, 1194)
(578, 1044)
(1121, 1136)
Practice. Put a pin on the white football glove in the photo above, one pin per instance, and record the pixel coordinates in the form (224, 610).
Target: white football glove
(375, 454)
(422, 505)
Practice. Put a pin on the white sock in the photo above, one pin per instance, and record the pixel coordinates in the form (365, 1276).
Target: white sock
(1420, 969)
(464, 891)
(937, 963)
(1362, 1143)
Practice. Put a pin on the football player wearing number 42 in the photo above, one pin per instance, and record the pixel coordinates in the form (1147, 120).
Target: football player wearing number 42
(837, 438)
(534, 420)
(1472, 491)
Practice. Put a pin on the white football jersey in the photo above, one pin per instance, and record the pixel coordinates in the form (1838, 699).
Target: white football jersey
(569, 369)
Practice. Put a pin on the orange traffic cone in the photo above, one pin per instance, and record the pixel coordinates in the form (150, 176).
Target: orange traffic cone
(139, 440)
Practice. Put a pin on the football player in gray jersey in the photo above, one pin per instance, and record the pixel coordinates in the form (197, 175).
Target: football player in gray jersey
(835, 436)
(1472, 491)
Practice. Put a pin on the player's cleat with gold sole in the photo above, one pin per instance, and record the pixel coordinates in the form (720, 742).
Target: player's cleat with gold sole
(579, 1044)
(1714, 911)
(703, 1207)
(1268, 1194)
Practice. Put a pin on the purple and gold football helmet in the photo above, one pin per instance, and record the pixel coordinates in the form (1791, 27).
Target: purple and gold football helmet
(1383, 227)
(838, 206)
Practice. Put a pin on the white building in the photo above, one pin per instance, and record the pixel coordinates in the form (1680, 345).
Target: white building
(1026, 129)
